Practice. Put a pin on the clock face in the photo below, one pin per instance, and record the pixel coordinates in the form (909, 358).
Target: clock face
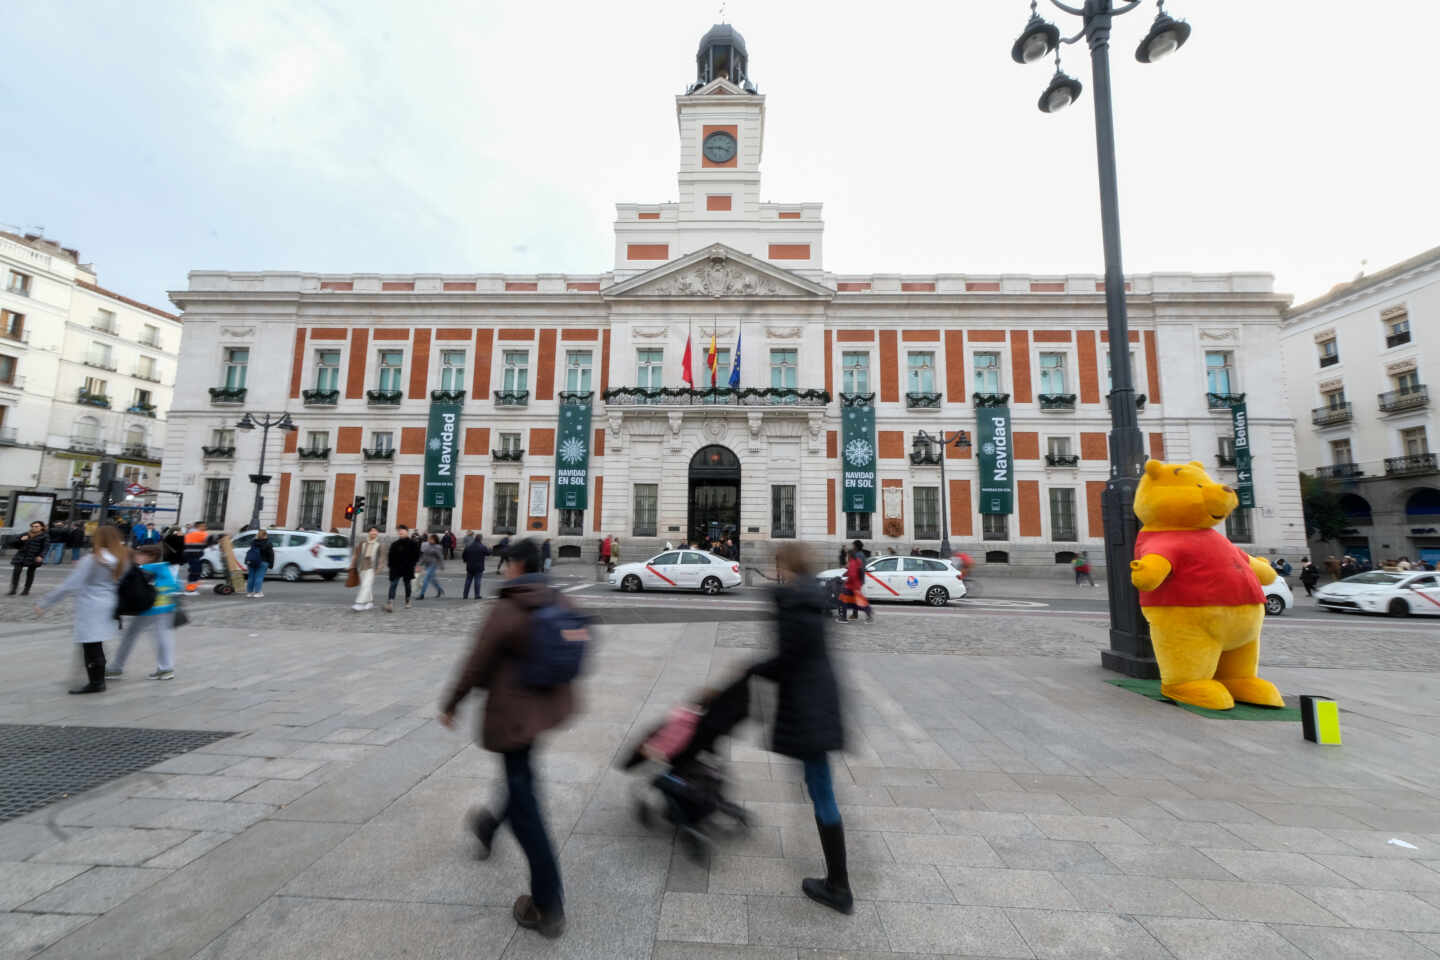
(719, 147)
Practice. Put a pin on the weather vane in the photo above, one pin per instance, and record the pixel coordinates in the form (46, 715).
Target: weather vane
(722, 13)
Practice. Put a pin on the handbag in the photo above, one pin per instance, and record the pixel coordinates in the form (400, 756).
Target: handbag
(352, 577)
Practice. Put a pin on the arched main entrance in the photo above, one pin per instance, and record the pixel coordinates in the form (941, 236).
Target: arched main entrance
(714, 495)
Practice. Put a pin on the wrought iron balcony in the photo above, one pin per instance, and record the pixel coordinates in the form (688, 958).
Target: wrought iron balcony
(995, 535)
(512, 398)
(1339, 471)
(141, 409)
(1397, 339)
(314, 453)
(218, 453)
(320, 398)
(92, 399)
(383, 398)
(507, 456)
(86, 445)
(926, 400)
(219, 395)
(990, 399)
(1057, 401)
(379, 453)
(149, 342)
(578, 397)
(1062, 459)
(99, 364)
(1329, 359)
(1064, 533)
(139, 451)
(1334, 413)
(102, 326)
(447, 396)
(1224, 401)
(857, 399)
(1406, 398)
(720, 396)
(1410, 464)
(148, 375)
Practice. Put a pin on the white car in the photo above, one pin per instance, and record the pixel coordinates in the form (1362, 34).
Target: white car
(297, 553)
(916, 579)
(678, 570)
(1416, 592)
(1278, 597)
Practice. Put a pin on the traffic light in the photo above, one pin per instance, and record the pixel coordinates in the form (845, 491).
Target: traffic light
(350, 511)
(359, 504)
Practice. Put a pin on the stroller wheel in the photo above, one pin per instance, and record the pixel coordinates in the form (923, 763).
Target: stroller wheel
(224, 589)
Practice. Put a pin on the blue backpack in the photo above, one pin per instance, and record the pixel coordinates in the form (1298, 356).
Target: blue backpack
(558, 637)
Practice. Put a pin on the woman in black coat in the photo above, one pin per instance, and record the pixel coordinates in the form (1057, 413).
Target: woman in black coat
(807, 715)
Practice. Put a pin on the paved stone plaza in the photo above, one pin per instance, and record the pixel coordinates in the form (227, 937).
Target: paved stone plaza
(1000, 799)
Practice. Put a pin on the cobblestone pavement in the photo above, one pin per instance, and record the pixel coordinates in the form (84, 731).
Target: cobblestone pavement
(1000, 800)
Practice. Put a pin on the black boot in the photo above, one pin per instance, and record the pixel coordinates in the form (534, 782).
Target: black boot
(94, 654)
(834, 889)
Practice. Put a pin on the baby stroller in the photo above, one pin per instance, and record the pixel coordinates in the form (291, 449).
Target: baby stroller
(683, 779)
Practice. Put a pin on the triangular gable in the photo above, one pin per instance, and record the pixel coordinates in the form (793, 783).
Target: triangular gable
(719, 85)
(718, 271)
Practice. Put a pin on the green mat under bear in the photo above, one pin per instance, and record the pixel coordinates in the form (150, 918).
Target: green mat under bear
(1241, 711)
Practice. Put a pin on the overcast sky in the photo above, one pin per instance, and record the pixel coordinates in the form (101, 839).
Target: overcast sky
(157, 137)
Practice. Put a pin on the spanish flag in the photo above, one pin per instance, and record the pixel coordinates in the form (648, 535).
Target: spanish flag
(712, 359)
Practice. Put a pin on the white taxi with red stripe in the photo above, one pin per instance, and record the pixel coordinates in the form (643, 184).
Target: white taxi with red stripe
(912, 579)
(678, 570)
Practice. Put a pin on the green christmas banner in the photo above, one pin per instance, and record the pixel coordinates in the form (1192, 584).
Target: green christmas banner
(857, 458)
(442, 455)
(1244, 475)
(572, 457)
(996, 460)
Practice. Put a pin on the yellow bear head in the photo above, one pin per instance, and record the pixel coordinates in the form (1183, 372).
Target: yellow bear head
(1174, 496)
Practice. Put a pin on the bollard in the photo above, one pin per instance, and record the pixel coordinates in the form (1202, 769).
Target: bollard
(1320, 719)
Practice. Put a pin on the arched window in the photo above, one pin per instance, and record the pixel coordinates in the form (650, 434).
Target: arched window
(135, 437)
(1424, 502)
(1356, 509)
(87, 431)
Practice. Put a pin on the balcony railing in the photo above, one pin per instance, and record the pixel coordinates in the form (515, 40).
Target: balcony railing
(720, 396)
(314, 453)
(141, 409)
(149, 342)
(857, 399)
(1334, 413)
(220, 395)
(512, 398)
(1397, 339)
(1339, 471)
(320, 398)
(576, 396)
(92, 399)
(1406, 398)
(1064, 533)
(102, 326)
(995, 535)
(1225, 459)
(1329, 359)
(1224, 401)
(507, 456)
(86, 445)
(1057, 401)
(379, 453)
(1062, 459)
(383, 398)
(218, 453)
(990, 399)
(926, 400)
(1410, 464)
(149, 375)
(140, 452)
(7, 436)
(100, 363)
(447, 396)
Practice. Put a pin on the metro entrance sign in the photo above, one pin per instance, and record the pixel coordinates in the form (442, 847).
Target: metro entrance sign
(136, 490)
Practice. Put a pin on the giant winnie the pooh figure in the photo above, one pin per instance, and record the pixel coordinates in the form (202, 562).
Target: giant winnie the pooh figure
(1200, 592)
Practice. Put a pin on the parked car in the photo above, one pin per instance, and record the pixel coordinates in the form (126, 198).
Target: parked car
(1278, 597)
(912, 579)
(678, 570)
(1397, 594)
(297, 553)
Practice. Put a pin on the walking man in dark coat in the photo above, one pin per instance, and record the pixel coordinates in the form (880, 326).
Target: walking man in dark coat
(401, 558)
(475, 556)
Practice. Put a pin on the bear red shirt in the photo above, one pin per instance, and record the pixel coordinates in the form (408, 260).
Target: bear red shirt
(1206, 570)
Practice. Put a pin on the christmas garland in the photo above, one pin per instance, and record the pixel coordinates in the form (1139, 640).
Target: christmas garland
(739, 393)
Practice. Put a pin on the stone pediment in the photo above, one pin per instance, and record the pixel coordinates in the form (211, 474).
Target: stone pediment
(718, 272)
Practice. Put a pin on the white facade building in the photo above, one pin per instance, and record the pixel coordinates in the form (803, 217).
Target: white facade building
(359, 359)
(1360, 361)
(85, 373)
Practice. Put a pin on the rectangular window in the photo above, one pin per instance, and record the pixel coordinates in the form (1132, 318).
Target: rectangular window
(1057, 446)
(1329, 352)
(1340, 453)
(317, 440)
(7, 368)
(142, 398)
(100, 356)
(572, 523)
(149, 335)
(1414, 442)
(96, 387)
(509, 443)
(237, 362)
(312, 504)
(1219, 371)
(507, 507)
(1062, 514)
(1134, 371)
(1225, 447)
(517, 371)
(995, 526)
(377, 503)
(577, 371)
(650, 369)
(1052, 373)
(1333, 399)
(987, 373)
(382, 440)
(722, 372)
(327, 370)
(12, 325)
(647, 508)
(920, 373)
(440, 519)
(222, 438)
(19, 283)
(782, 511)
(104, 321)
(784, 368)
(855, 372)
(1407, 382)
(452, 370)
(217, 498)
(1397, 327)
(391, 363)
(1238, 526)
(145, 368)
(927, 513)
(857, 526)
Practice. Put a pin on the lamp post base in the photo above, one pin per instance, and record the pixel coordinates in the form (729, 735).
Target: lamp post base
(1142, 668)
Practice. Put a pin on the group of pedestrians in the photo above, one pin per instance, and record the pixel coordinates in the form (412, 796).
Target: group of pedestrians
(411, 553)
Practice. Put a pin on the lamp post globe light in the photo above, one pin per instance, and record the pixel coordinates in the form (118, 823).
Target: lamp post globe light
(1130, 651)
(264, 422)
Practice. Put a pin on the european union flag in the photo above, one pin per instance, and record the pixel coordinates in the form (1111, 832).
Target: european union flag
(735, 365)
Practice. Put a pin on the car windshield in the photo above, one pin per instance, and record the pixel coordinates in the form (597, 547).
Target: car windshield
(335, 540)
(1375, 576)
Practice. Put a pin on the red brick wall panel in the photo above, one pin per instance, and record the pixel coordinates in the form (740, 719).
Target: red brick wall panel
(391, 334)
(855, 336)
(1157, 446)
(889, 367)
(1089, 363)
(292, 441)
(545, 364)
(1094, 507)
(955, 366)
(344, 487)
(472, 502)
(921, 336)
(597, 445)
(412, 440)
(1020, 365)
(891, 444)
(419, 364)
(961, 522)
(829, 359)
(452, 333)
(1029, 495)
(1152, 366)
(830, 506)
(832, 444)
(408, 501)
(1093, 447)
(483, 349)
(297, 364)
(542, 442)
(605, 361)
(647, 251)
(349, 439)
(1027, 445)
(477, 441)
(359, 357)
(327, 333)
(282, 501)
(597, 485)
(789, 251)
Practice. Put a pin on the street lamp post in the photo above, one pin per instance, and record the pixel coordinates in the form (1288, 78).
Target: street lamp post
(959, 440)
(1130, 651)
(250, 422)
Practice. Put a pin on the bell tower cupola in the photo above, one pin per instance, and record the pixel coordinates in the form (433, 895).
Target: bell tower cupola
(722, 53)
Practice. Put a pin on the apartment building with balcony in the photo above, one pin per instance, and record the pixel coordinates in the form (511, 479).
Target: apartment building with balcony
(85, 372)
(1362, 362)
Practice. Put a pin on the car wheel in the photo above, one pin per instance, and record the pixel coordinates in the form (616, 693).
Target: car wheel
(206, 571)
(937, 596)
(328, 575)
(711, 585)
(1274, 605)
(631, 583)
(290, 573)
(1398, 608)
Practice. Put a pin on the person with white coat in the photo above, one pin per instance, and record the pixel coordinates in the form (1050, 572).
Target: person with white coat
(366, 559)
(93, 582)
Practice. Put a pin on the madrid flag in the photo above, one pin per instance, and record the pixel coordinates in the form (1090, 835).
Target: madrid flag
(688, 373)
